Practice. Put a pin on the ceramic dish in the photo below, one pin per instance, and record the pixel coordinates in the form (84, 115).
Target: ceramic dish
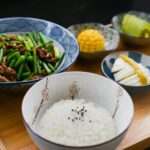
(89, 87)
(108, 62)
(111, 39)
(116, 21)
(62, 37)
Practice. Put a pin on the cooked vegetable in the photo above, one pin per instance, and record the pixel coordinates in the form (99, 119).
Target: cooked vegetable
(91, 40)
(50, 46)
(35, 61)
(20, 61)
(1, 55)
(57, 53)
(12, 63)
(135, 26)
(59, 61)
(30, 36)
(30, 43)
(48, 71)
(27, 56)
(20, 71)
(44, 40)
(51, 67)
(26, 75)
(15, 54)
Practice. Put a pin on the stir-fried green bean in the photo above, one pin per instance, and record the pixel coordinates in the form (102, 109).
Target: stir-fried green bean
(50, 46)
(57, 53)
(12, 63)
(30, 55)
(20, 38)
(29, 58)
(38, 66)
(20, 71)
(20, 60)
(1, 55)
(30, 36)
(48, 71)
(30, 43)
(26, 75)
(14, 54)
(43, 38)
(60, 60)
(51, 67)
(35, 61)
(27, 46)
(27, 68)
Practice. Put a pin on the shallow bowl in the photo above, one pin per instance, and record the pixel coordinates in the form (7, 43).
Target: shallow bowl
(111, 36)
(108, 62)
(132, 40)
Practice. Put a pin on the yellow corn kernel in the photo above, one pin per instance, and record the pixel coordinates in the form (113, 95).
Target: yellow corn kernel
(90, 40)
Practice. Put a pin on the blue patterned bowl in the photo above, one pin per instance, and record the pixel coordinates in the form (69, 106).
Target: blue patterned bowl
(54, 31)
(111, 36)
(108, 62)
(116, 21)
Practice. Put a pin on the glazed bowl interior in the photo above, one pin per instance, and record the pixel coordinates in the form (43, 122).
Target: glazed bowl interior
(111, 37)
(129, 39)
(91, 87)
(62, 38)
(109, 60)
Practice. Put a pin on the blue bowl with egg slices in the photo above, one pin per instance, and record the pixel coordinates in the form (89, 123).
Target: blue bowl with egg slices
(61, 37)
(138, 57)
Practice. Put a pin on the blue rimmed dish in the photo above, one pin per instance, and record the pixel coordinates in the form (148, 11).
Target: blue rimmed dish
(111, 37)
(132, 40)
(109, 60)
(62, 37)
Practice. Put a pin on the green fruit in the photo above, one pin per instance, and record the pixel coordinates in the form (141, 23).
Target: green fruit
(134, 25)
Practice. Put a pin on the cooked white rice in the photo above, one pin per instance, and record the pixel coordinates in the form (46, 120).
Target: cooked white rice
(76, 123)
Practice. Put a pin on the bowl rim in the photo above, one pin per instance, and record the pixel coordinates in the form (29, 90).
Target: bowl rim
(92, 23)
(122, 52)
(123, 33)
(57, 71)
(81, 147)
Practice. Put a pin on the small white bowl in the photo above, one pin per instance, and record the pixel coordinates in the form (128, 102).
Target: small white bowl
(92, 87)
(111, 37)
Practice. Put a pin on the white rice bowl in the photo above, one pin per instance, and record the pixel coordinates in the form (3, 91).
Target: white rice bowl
(76, 123)
(104, 99)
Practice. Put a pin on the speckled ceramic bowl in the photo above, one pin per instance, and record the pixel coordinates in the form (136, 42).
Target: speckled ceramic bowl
(111, 36)
(91, 87)
(108, 62)
(116, 21)
(62, 37)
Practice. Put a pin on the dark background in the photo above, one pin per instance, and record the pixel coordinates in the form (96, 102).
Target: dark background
(67, 12)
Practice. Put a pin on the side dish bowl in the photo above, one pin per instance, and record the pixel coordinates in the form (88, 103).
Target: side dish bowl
(109, 60)
(92, 88)
(111, 37)
(137, 41)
